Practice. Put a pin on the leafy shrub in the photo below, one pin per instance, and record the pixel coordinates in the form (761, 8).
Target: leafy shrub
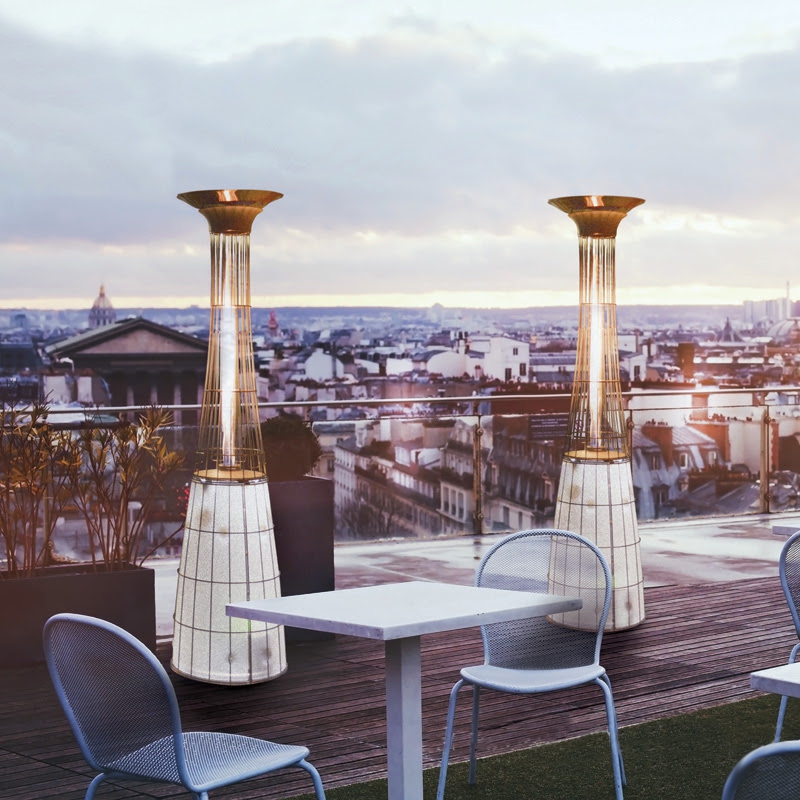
(291, 447)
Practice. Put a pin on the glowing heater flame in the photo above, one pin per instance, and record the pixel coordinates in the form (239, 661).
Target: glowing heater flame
(228, 369)
(596, 377)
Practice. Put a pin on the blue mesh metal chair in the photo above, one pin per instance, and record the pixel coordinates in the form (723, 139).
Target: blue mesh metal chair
(771, 772)
(543, 654)
(123, 711)
(789, 570)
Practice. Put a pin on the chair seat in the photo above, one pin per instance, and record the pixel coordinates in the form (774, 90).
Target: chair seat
(216, 759)
(522, 681)
(212, 759)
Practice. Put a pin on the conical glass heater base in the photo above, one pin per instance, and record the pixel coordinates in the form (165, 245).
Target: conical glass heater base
(228, 556)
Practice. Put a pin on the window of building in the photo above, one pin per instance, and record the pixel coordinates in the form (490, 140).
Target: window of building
(683, 460)
(654, 460)
(508, 373)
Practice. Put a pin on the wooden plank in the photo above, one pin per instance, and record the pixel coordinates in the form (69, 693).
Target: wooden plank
(695, 649)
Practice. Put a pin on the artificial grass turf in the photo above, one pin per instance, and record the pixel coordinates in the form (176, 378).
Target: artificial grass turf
(686, 757)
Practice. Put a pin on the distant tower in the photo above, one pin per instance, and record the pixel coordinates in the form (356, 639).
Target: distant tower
(102, 312)
(272, 325)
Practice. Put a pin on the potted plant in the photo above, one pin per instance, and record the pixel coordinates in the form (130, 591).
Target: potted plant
(112, 476)
(125, 470)
(291, 448)
(302, 510)
(36, 465)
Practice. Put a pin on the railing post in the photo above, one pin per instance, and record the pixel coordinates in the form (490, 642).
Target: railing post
(766, 461)
(630, 425)
(477, 481)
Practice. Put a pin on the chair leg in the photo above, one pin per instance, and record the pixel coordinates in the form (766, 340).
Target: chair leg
(613, 734)
(473, 738)
(448, 738)
(96, 781)
(616, 731)
(312, 771)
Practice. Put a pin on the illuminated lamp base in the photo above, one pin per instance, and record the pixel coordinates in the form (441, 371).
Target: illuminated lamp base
(596, 454)
(228, 556)
(228, 474)
(595, 500)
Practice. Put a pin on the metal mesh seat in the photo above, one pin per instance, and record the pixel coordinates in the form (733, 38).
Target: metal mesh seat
(771, 772)
(123, 711)
(542, 654)
(789, 570)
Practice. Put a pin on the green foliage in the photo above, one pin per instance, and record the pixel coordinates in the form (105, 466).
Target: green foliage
(103, 471)
(37, 462)
(291, 447)
(121, 467)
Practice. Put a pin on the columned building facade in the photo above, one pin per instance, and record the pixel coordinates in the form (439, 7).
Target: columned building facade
(142, 363)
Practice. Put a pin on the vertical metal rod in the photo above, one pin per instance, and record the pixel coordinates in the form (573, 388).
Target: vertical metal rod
(766, 460)
(477, 481)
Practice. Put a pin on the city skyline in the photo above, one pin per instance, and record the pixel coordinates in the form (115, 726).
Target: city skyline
(416, 145)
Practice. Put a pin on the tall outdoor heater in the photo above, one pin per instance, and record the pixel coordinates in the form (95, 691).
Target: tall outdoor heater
(228, 550)
(595, 496)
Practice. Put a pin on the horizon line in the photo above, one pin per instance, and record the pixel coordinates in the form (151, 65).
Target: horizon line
(680, 296)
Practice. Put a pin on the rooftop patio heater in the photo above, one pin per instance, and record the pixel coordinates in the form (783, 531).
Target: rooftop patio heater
(595, 496)
(228, 552)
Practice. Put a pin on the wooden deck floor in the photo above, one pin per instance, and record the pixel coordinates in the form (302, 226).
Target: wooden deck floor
(695, 649)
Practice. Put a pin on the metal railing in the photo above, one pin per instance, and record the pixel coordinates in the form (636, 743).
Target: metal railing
(483, 463)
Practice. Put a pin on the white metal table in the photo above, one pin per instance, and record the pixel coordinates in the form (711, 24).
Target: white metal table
(778, 680)
(398, 614)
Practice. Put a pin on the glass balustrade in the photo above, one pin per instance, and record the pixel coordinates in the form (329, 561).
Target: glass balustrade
(432, 467)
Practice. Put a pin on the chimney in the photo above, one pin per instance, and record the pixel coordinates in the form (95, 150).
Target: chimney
(686, 359)
(662, 436)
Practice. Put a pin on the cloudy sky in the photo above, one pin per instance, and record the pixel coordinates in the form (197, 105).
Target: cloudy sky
(416, 144)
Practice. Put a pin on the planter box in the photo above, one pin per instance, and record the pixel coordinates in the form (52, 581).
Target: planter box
(125, 597)
(302, 512)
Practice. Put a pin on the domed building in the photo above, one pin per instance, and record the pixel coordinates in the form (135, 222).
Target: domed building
(102, 312)
(783, 349)
(785, 333)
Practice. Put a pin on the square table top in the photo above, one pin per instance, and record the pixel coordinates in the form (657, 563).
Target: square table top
(399, 610)
(784, 679)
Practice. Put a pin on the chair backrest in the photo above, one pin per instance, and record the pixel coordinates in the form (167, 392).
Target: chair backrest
(553, 562)
(770, 772)
(115, 693)
(789, 570)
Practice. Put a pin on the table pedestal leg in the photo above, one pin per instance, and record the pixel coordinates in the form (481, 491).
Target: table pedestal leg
(404, 718)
